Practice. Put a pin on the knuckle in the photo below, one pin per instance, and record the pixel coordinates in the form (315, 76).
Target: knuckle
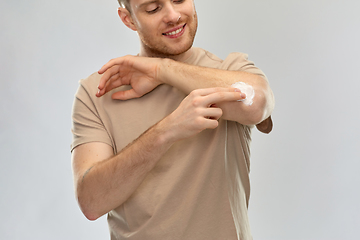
(199, 121)
(196, 112)
(194, 93)
(221, 95)
(196, 102)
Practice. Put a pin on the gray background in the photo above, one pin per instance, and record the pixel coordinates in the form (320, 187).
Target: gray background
(305, 181)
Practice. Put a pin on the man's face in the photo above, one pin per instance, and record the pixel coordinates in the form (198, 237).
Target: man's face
(161, 31)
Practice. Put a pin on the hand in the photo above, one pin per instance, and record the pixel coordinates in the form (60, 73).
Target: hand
(139, 72)
(198, 111)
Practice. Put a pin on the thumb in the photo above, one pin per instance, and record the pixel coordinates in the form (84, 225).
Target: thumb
(125, 95)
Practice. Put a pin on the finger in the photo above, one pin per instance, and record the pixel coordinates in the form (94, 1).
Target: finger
(108, 65)
(210, 123)
(108, 85)
(116, 61)
(213, 113)
(111, 63)
(112, 72)
(223, 96)
(207, 91)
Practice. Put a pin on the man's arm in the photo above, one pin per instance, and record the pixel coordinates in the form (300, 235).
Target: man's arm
(189, 77)
(144, 74)
(103, 181)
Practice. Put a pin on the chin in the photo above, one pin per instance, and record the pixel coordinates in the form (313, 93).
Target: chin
(165, 51)
(178, 51)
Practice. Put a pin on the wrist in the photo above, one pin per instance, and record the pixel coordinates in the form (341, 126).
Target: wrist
(164, 71)
(166, 131)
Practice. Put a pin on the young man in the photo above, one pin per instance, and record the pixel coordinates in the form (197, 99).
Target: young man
(161, 140)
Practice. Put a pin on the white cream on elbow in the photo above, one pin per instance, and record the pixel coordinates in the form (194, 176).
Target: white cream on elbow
(248, 90)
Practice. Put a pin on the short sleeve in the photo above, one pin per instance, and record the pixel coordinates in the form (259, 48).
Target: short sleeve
(240, 62)
(86, 122)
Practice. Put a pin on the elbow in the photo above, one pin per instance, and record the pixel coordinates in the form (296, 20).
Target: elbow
(87, 207)
(262, 118)
(263, 107)
(89, 212)
(90, 215)
(255, 118)
(243, 114)
(259, 111)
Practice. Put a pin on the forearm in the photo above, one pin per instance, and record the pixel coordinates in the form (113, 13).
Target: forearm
(189, 77)
(109, 183)
(103, 185)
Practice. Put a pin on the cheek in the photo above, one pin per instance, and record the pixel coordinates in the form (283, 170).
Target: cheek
(190, 8)
(142, 28)
(148, 27)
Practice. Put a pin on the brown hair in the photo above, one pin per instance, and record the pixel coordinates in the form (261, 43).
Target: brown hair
(125, 4)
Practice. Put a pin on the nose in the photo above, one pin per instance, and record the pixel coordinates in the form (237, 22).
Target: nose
(172, 16)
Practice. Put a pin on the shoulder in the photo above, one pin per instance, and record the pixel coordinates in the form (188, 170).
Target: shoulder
(234, 61)
(238, 61)
(90, 83)
(203, 54)
(211, 56)
(88, 86)
(204, 58)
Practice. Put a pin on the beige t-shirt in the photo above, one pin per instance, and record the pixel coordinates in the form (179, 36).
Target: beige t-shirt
(199, 189)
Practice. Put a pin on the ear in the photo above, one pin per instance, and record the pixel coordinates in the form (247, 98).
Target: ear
(126, 18)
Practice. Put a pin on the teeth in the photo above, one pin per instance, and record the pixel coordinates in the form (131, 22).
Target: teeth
(174, 32)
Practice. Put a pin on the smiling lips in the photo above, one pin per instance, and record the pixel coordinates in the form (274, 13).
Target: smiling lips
(175, 33)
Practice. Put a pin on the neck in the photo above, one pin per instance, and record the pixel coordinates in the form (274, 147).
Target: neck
(180, 57)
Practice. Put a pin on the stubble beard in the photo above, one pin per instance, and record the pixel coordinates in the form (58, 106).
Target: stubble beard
(159, 49)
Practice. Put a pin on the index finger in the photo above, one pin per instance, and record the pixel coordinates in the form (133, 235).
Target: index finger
(113, 62)
(108, 75)
(218, 95)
